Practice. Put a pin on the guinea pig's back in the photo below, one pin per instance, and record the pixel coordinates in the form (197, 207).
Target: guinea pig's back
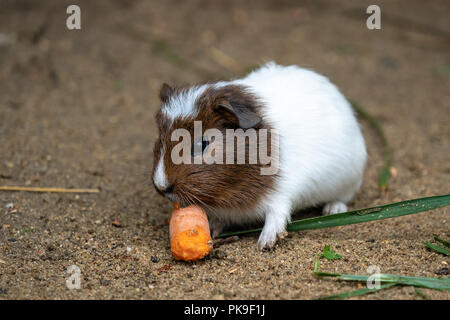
(321, 145)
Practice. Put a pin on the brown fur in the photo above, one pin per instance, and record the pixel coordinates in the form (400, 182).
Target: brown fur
(237, 186)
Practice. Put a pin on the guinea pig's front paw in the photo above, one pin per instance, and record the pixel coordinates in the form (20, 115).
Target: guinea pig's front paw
(216, 226)
(333, 208)
(268, 238)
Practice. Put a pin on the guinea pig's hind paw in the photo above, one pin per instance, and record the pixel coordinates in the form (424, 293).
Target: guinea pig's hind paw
(333, 208)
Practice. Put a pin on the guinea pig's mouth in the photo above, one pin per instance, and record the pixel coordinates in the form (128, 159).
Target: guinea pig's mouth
(171, 196)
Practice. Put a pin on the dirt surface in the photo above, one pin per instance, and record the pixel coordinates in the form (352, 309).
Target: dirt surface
(77, 107)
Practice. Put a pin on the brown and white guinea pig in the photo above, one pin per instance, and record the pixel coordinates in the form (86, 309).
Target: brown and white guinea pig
(318, 157)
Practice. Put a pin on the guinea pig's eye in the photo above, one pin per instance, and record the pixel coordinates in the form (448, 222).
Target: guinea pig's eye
(199, 146)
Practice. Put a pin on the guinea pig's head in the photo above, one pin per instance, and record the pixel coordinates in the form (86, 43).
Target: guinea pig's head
(193, 160)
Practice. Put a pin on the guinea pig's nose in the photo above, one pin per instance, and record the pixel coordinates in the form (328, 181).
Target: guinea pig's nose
(168, 192)
(169, 189)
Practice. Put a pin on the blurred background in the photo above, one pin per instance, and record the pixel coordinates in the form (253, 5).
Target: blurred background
(77, 107)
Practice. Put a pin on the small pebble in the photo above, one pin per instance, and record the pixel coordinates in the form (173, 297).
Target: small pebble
(10, 205)
(105, 282)
(393, 172)
(219, 254)
(116, 223)
(154, 259)
(442, 271)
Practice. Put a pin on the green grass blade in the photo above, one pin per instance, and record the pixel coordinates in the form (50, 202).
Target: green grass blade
(238, 233)
(385, 170)
(437, 248)
(363, 215)
(316, 266)
(430, 283)
(420, 293)
(358, 292)
(445, 243)
(386, 281)
(375, 213)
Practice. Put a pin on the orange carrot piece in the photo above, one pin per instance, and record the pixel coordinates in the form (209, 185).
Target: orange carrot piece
(190, 237)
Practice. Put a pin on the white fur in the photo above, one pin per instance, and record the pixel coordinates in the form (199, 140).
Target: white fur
(322, 150)
(160, 177)
(184, 104)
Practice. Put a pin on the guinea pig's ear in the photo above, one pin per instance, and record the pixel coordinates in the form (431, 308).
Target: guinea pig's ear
(165, 92)
(245, 116)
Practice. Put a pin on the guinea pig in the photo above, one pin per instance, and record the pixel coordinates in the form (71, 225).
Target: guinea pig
(318, 157)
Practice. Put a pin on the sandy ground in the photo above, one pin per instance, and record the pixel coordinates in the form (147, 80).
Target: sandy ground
(77, 107)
